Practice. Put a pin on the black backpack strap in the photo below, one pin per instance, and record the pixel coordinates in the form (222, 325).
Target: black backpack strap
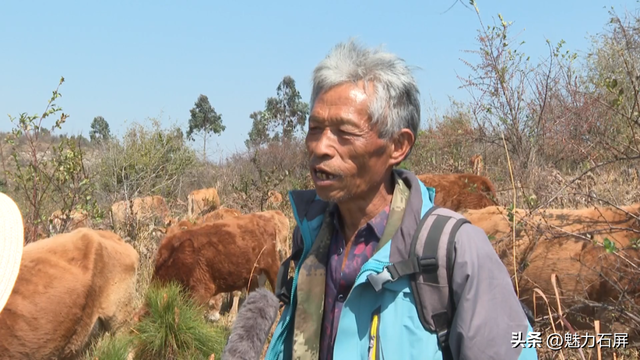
(284, 283)
(435, 302)
(444, 327)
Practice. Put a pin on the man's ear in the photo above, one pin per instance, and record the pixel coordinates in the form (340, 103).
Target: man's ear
(402, 143)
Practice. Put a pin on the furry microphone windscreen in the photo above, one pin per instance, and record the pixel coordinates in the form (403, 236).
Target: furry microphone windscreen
(252, 326)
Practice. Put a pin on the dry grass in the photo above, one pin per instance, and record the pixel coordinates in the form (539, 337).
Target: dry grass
(582, 353)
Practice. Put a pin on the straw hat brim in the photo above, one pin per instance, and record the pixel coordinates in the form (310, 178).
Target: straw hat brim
(11, 245)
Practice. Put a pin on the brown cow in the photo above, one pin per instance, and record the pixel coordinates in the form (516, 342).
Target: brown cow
(219, 257)
(174, 226)
(561, 241)
(460, 191)
(202, 201)
(477, 164)
(220, 214)
(274, 197)
(282, 234)
(59, 222)
(71, 288)
(144, 209)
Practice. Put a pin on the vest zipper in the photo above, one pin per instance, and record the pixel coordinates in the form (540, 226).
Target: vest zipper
(374, 336)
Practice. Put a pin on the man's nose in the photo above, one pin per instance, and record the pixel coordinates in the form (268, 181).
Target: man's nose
(322, 145)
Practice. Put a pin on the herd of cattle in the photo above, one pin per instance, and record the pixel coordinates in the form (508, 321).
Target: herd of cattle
(78, 284)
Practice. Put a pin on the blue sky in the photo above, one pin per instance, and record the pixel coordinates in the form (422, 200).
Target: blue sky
(130, 60)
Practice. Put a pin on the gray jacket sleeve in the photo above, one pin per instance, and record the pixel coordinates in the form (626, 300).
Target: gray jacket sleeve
(487, 308)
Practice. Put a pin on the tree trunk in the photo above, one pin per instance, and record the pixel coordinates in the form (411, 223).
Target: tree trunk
(204, 147)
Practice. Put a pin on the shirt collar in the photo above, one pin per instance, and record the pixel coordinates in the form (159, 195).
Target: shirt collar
(377, 223)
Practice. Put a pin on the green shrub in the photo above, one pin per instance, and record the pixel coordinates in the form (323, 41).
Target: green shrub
(175, 328)
(147, 160)
(111, 348)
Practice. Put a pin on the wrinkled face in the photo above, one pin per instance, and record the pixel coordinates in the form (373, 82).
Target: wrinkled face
(347, 158)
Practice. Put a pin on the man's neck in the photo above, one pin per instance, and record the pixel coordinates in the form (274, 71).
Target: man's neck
(355, 213)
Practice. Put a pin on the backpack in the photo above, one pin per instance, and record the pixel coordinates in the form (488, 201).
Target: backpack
(431, 249)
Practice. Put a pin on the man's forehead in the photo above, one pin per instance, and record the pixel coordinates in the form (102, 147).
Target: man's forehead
(346, 92)
(346, 103)
(336, 119)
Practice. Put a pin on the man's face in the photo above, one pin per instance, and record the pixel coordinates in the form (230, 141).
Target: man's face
(347, 158)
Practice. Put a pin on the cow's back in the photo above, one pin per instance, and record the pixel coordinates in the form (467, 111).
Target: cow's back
(460, 191)
(119, 212)
(66, 283)
(179, 226)
(281, 223)
(60, 222)
(150, 207)
(545, 238)
(198, 200)
(220, 214)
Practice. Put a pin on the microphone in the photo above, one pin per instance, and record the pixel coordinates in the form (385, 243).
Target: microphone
(252, 326)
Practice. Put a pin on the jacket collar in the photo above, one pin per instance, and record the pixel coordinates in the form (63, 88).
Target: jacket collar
(307, 205)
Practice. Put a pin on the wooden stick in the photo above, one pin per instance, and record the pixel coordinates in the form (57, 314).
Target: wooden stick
(596, 325)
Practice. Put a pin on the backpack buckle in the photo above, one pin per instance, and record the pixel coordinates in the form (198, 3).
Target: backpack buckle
(284, 293)
(441, 322)
(378, 280)
(443, 340)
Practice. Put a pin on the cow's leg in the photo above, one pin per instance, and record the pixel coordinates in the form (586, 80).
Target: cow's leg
(236, 300)
(255, 282)
(215, 303)
(272, 276)
(262, 280)
(202, 294)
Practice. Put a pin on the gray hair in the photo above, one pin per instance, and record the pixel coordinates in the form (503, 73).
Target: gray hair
(396, 104)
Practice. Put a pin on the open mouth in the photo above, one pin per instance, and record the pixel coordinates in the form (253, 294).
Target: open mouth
(324, 175)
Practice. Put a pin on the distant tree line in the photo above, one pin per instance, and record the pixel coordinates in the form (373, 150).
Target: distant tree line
(283, 118)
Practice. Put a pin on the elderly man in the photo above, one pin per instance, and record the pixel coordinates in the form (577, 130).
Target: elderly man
(365, 115)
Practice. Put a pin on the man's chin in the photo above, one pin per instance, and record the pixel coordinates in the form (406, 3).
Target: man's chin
(333, 196)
